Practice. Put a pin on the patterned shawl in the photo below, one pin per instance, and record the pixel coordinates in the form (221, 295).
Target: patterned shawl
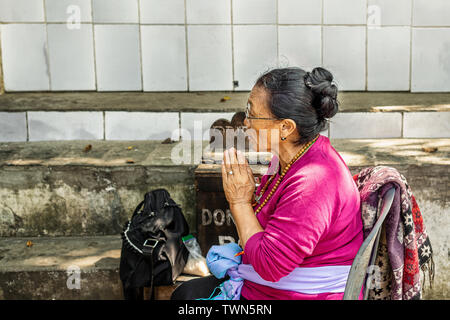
(404, 246)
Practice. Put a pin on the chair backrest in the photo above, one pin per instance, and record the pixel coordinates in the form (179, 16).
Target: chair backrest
(367, 253)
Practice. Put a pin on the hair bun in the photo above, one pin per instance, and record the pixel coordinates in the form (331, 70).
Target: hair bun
(320, 81)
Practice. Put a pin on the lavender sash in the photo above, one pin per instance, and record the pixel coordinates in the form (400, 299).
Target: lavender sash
(221, 261)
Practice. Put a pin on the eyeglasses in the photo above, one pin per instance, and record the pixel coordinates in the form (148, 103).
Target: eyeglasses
(255, 118)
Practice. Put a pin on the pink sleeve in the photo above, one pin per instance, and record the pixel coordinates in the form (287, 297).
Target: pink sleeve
(303, 214)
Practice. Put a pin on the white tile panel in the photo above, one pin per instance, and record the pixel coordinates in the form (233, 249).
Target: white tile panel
(141, 125)
(117, 54)
(115, 11)
(344, 11)
(389, 59)
(344, 55)
(21, 11)
(299, 12)
(25, 62)
(366, 125)
(208, 11)
(195, 126)
(254, 11)
(430, 60)
(388, 12)
(71, 53)
(68, 11)
(431, 13)
(255, 51)
(426, 125)
(164, 58)
(300, 46)
(13, 126)
(50, 126)
(163, 12)
(209, 53)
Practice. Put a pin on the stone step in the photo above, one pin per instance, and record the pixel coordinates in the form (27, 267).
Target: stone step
(67, 188)
(157, 116)
(46, 269)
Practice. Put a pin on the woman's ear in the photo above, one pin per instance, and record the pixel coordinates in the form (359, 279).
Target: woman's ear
(287, 127)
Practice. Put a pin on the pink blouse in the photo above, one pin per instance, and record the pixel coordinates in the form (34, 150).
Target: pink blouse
(313, 219)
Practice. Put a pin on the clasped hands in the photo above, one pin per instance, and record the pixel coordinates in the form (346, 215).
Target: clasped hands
(237, 177)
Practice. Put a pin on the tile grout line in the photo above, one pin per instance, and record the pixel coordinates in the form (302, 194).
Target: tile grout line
(94, 45)
(227, 24)
(2, 82)
(232, 46)
(104, 125)
(179, 125)
(47, 50)
(27, 126)
(278, 33)
(138, 2)
(402, 125)
(367, 50)
(321, 35)
(187, 53)
(411, 47)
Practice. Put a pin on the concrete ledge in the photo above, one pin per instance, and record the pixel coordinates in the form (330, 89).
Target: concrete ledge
(59, 189)
(208, 101)
(42, 270)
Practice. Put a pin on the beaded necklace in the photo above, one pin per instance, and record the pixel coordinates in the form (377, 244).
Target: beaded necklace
(285, 170)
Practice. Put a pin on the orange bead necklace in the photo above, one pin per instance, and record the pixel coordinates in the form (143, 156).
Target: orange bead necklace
(285, 170)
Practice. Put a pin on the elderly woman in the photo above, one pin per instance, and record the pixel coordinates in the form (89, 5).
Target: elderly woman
(304, 225)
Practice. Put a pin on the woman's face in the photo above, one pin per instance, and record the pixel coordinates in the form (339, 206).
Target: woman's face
(261, 132)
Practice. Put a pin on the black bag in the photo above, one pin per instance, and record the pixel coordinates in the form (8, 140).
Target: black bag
(153, 252)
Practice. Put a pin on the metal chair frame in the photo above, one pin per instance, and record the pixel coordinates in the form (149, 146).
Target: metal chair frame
(367, 253)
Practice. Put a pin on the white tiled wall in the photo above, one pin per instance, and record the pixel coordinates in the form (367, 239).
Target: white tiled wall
(388, 58)
(25, 62)
(344, 54)
(199, 45)
(196, 126)
(163, 12)
(13, 126)
(141, 125)
(208, 11)
(300, 46)
(389, 12)
(115, 11)
(47, 126)
(64, 10)
(122, 125)
(164, 58)
(22, 11)
(431, 13)
(344, 11)
(426, 124)
(254, 11)
(360, 125)
(71, 57)
(430, 59)
(299, 12)
(255, 51)
(117, 53)
(210, 57)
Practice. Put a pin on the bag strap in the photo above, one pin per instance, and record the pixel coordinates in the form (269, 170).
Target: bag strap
(147, 251)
